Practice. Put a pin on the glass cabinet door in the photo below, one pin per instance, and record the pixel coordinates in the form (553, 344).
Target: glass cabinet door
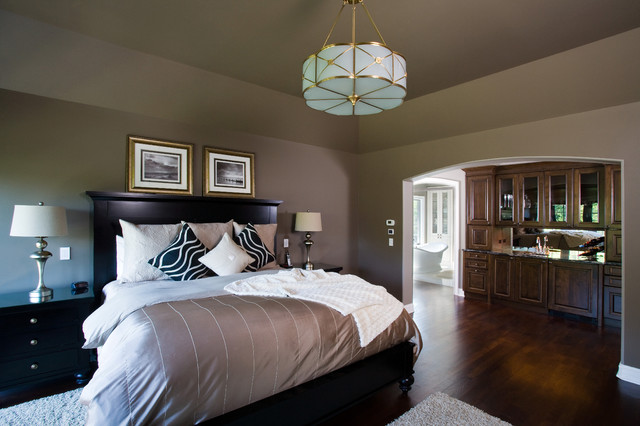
(588, 208)
(507, 197)
(558, 187)
(530, 199)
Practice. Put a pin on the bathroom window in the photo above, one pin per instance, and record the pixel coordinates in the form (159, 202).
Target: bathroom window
(418, 219)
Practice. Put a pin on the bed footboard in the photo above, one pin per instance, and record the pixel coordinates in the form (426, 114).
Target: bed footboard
(321, 398)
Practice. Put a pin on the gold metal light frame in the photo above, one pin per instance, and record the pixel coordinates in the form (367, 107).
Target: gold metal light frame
(354, 78)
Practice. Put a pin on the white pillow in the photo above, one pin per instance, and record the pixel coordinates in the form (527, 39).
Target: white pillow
(119, 256)
(141, 243)
(226, 258)
(210, 234)
(267, 233)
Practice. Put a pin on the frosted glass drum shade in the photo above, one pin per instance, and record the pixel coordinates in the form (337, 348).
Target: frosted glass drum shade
(38, 221)
(354, 79)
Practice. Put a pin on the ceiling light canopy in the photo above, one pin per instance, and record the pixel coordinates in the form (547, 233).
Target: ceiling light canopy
(354, 78)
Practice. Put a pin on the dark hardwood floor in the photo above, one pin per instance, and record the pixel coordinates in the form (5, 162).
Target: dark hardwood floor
(523, 367)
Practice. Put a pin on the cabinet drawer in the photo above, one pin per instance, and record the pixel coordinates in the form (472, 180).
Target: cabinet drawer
(476, 255)
(613, 270)
(29, 367)
(612, 281)
(477, 264)
(39, 319)
(612, 303)
(33, 342)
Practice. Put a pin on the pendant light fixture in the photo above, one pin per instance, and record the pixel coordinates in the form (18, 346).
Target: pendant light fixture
(354, 78)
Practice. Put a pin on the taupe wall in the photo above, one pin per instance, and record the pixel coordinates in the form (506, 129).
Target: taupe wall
(54, 151)
(69, 102)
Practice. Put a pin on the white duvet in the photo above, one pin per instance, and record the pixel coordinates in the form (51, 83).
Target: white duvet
(373, 309)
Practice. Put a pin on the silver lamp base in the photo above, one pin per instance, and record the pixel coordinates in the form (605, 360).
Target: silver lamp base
(40, 295)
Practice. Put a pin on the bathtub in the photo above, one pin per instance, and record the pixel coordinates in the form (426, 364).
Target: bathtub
(427, 257)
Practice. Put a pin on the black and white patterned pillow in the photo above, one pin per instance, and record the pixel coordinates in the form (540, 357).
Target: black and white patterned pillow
(180, 259)
(253, 245)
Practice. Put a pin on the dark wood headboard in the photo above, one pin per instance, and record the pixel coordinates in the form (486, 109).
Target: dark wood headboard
(109, 207)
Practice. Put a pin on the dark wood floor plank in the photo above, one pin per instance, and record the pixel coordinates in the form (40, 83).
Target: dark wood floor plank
(523, 367)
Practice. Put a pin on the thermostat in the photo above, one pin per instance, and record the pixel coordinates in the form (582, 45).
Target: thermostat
(391, 222)
(390, 231)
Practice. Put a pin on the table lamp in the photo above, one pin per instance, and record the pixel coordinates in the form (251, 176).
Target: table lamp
(40, 222)
(308, 222)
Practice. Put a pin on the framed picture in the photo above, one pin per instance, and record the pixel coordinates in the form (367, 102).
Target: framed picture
(228, 173)
(159, 166)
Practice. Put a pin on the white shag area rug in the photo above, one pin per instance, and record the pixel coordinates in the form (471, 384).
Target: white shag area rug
(442, 410)
(60, 409)
(64, 409)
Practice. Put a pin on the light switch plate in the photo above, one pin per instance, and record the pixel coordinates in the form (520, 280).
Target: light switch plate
(65, 253)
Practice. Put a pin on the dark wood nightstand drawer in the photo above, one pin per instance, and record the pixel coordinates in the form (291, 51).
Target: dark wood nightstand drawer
(29, 367)
(38, 319)
(36, 341)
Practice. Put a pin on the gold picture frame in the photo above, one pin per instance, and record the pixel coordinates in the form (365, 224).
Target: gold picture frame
(228, 173)
(160, 167)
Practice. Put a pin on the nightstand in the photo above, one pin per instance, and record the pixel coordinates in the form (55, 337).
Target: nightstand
(42, 341)
(325, 266)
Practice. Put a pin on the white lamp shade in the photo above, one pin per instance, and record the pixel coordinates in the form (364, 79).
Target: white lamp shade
(38, 221)
(308, 222)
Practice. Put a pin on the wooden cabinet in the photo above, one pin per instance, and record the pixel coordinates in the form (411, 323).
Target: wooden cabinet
(612, 295)
(613, 196)
(520, 199)
(558, 198)
(613, 213)
(42, 342)
(502, 277)
(507, 199)
(588, 197)
(573, 287)
(530, 281)
(476, 273)
(479, 237)
(479, 199)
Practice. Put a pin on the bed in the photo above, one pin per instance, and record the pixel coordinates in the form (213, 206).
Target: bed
(183, 352)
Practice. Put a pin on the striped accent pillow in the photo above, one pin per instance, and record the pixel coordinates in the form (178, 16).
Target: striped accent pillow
(253, 245)
(180, 259)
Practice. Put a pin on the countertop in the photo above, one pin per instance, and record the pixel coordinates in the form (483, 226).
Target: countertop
(554, 254)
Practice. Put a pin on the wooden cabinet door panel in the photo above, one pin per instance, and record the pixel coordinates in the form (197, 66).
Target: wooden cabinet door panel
(573, 288)
(502, 280)
(479, 237)
(476, 281)
(531, 281)
(479, 200)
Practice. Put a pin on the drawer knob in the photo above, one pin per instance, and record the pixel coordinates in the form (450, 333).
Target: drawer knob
(33, 320)
(34, 366)
(33, 342)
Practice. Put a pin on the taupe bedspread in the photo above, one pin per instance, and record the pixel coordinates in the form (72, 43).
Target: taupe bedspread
(187, 361)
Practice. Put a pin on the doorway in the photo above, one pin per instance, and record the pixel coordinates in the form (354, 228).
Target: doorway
(436, 222)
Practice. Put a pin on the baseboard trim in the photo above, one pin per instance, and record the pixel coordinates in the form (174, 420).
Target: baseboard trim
(629, 374)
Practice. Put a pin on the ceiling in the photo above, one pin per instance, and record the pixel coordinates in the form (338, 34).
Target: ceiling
(445, 42)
